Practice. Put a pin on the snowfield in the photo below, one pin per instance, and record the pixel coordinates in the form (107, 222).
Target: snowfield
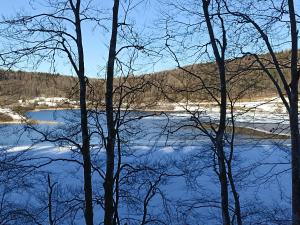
(179, 164)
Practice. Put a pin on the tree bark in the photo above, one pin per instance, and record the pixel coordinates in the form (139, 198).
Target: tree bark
(294, 127)
(235, 196)
(86, 151)
(235, 193)
(294, 118)
(110, 145)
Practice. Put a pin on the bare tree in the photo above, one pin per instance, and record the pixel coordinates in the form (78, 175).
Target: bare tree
(59, 31)
(220, 60)
(110, 144)
(278, 13)
(219, 51)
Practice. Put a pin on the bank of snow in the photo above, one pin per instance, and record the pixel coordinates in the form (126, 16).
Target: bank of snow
(47, 101)
(267, 110)
(15, 117)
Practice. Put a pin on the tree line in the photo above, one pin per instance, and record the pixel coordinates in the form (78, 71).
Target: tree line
(175, 81)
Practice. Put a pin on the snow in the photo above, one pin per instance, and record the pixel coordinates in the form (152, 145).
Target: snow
(18, 148)
(266, 111)
(176, 189)
(15, 116)
(182, 152)
(177, 153)
(47, 101)
(168, 149)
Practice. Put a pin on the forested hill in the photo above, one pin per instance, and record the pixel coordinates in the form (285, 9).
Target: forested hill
(177, 84)
(15, 85)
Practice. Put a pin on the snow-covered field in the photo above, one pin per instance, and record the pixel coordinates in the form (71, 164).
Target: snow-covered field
(177, 168)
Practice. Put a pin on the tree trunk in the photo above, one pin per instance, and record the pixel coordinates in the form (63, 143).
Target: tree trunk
(88, 192)
(110, 145)
(294, 118)
(235, 196)
(85, 149)
(223, 184)
(220, 149)
(295, 162)
(220, 60)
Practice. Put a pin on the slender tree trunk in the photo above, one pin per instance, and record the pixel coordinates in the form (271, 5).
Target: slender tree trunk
(117, 181)
(223, 185)
(235, 196)
(295, 162)
(295, 149)
(85, 149)
(88, 192)
(110, 157)
(220, 149)
(294, 118)
(50, 193)
(220, 60)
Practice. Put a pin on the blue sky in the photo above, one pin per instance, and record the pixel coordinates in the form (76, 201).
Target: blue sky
(95, 42)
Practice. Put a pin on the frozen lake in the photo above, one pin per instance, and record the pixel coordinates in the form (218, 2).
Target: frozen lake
(176, 165)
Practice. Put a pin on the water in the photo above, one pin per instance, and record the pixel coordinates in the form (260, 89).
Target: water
(177, 165)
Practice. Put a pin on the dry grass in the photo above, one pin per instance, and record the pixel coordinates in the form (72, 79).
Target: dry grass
(5, 118)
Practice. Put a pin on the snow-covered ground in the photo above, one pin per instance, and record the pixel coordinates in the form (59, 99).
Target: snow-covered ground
(47, 101)
(266, 115)
(268, 110)
(180, 164)
(15, 116)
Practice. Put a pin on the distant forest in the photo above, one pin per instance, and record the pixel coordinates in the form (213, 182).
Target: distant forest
(179, 84)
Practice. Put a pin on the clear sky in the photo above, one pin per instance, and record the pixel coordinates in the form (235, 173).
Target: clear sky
(95, 42)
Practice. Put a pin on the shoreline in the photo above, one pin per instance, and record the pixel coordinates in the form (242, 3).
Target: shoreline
(244, 130)
(256, 132)
(16, 122)
(49, 109)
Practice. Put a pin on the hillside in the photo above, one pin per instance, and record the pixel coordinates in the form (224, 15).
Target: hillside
(15, 85)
